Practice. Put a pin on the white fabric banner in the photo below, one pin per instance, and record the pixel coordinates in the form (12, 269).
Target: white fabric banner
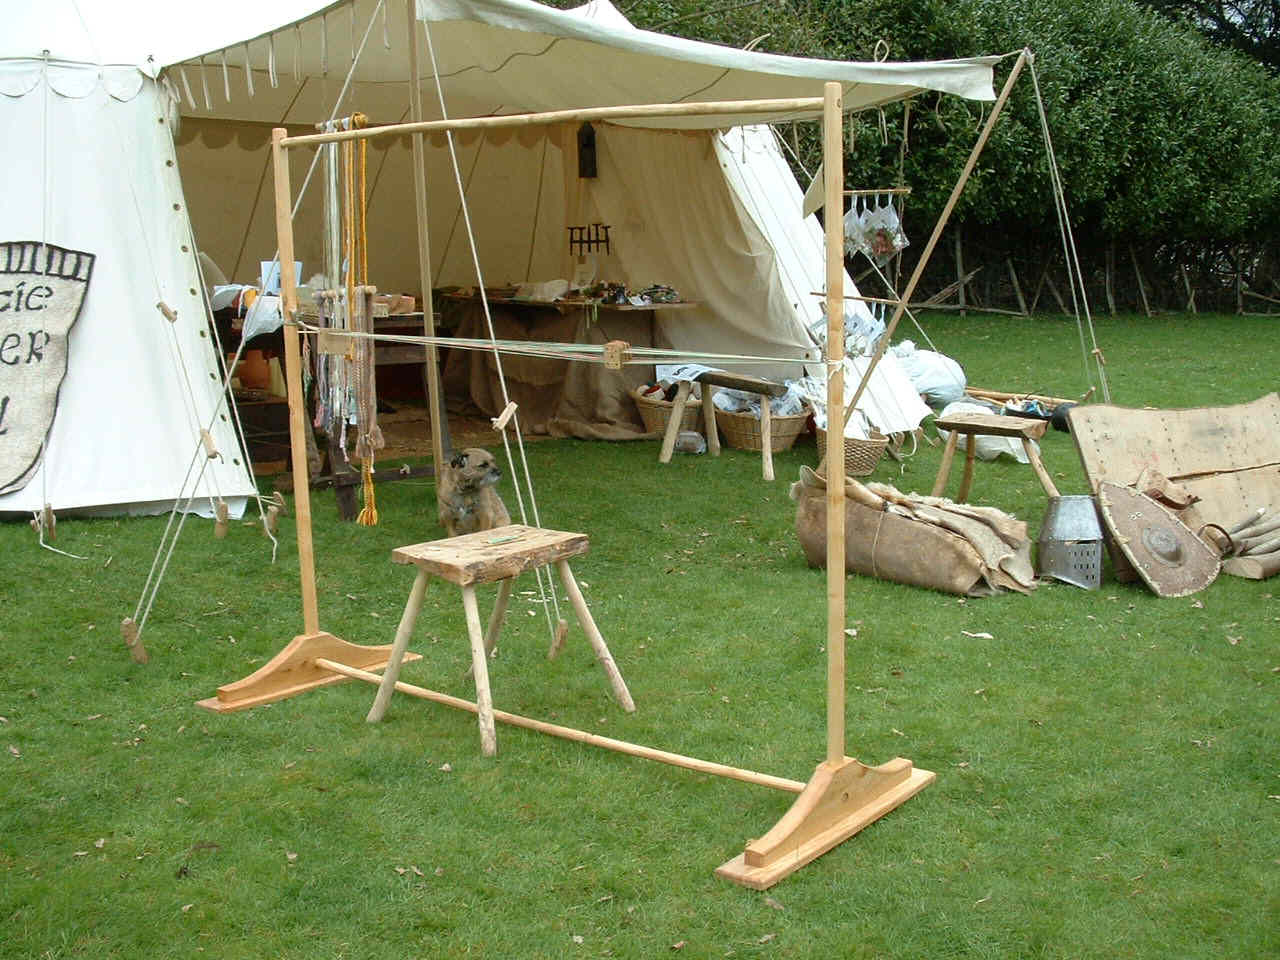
(42, 289)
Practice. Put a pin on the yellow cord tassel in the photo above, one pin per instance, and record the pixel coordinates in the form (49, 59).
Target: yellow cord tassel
(368, 516)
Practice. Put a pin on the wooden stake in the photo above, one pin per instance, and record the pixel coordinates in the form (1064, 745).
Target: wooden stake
(1142, 287)
(221, 519)
(1053, 288)
(1017, 288)
(432, 366)
(133, 640)
(1108, 270)
(959, 247)
(293, 380)
(1191, 293)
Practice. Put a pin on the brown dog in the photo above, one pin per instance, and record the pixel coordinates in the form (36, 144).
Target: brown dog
(465, 495)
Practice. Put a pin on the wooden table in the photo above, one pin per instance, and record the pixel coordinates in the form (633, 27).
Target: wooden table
(501, 555)
(988, 425)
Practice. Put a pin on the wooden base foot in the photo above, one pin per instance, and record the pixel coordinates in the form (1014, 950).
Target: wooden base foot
(839, 800)
(294, 670)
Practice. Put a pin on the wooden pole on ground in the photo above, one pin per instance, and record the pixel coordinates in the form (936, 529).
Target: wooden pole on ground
(434, 398)
(569, 733)
(933, 238)
(293, 380)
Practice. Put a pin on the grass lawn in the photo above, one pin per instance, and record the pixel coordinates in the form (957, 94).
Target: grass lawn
(1108, 763)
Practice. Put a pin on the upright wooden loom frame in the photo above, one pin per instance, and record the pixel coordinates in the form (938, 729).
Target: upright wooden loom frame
(843, 795)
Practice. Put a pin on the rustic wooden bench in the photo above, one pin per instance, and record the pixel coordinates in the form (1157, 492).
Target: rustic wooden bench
(987, 425)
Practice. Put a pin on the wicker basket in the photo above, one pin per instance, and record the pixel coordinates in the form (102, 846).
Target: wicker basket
(656, 412)
(742, 430)
(860, 456)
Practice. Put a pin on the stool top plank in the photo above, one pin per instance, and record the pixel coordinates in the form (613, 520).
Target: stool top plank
(992, 425)
(742, 381)
(490, 555)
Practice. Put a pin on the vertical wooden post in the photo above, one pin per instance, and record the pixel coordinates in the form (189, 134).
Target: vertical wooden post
(293, 379)
(959, 245)
(434, 397)
(833, 219)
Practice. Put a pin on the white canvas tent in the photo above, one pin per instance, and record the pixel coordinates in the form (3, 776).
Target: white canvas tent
(91, 168)
(716, 215)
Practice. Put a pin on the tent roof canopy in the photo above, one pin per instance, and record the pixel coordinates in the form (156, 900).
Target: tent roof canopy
(492, 56)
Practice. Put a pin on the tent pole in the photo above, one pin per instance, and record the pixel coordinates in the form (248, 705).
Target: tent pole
(760, 110)
(833, 219)
(434, 398)
(937, 232)
(293, 375)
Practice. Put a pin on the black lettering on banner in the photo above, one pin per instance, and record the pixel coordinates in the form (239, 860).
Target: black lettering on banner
(4, 408)
(11, 343)
(34, 352)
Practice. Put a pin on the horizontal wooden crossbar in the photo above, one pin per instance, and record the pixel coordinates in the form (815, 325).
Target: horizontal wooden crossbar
(569, 733)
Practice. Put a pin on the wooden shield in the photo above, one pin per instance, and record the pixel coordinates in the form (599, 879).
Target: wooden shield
(1165, 552)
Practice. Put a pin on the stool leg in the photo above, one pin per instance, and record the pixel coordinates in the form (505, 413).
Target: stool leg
(709, 419)
(594, 638)
(766, 438)
(944, 468)
(966, 481)
(480, 664)
(673, 425)
(1038, 467)
(392, 673)
(496, 618)
(970, 449)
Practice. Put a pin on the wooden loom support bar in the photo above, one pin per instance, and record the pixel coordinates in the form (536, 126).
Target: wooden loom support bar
(833, 184)
(293, 379)
(434, 396)
(943, 217)
(569, 733)
(549, 118)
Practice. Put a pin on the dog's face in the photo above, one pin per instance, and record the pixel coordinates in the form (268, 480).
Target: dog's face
(473, 469)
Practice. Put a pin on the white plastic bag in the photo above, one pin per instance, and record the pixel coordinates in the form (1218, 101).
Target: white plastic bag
(936, 377)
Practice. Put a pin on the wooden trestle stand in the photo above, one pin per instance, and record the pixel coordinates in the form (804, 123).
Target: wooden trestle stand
(843, 795)
(841, 798)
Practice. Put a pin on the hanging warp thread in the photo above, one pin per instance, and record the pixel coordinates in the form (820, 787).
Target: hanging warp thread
(360, 300)
(345, 383)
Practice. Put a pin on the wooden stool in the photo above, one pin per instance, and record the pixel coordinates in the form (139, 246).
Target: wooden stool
(709, 381)
(501, 554)
(988, 425)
